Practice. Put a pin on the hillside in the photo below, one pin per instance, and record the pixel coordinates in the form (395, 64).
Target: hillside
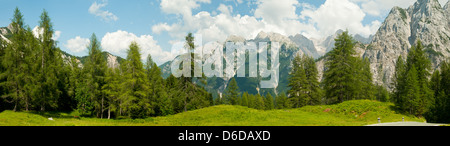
(350, 113)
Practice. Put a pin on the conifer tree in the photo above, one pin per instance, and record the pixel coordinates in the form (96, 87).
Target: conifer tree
(398, 82)
(281, 101)
(268, 102)
(259, 102)
(339, 78)
(135, 98)
(232, 93)
(95, 69)
(50, 62)
(244, 101)
(415, 102)
(412, 93)
(298, 83)
(311, 72)
(15, 63)
(161, 102)
(251, 101)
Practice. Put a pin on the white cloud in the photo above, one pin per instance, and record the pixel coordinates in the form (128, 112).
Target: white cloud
(56, 35)
(95, 9)
(382, 7)
(118, 42)
(270, 16)
(275, 11)
(36, 32)
(183, 7)
(338, 14)
(225, 9)
(77, 44)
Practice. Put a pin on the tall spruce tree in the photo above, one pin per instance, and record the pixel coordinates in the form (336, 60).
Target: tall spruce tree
(440, 81)
(398, 82)
(244, 101)
(135, 98)
(413, 75)
(312, 75)
(14, 62)
(50, 62)
(339, 78)
(95, 69)
(232, 93)
(268, 102)
(298, 83)
(281, 101)
(162, 102)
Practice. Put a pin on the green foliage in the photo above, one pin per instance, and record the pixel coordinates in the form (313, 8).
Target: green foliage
(349, 113)
(259, 102)
(17, 78)
(298, 83)
(281, 101)
(268, 102)
(135, 100)
(232, 93)
(440, 81)
(347, 77)
(159, 98)
(36, 75)
(95, 70)
(403, 14)
(382, 94)
(412, 93)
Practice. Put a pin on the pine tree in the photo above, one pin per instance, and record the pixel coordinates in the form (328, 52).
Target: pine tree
(14, 62)
(339, 78)
(259, 102)
(367, 88)
(412, 95)
(419, 101)
(268, 102)
(298, 84)
(439, 111)
(135, 98)
(244, 99)
(281, 101)
(95, 69)
(314, 90)
(251, 101)
(50, 62)
(398, 82)
(232, 93)
(162, 103)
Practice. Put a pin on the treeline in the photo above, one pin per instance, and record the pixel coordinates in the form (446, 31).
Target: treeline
(346, 77)
(233, 96)
(415, 93)
(35, 76)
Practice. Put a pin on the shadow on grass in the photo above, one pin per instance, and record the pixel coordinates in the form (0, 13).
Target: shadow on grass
(56, 114)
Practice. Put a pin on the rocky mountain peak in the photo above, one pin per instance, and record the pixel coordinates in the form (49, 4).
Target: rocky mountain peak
(235, 38)
(426, 21)
(274, 37)
(447, 6)
(305, 44)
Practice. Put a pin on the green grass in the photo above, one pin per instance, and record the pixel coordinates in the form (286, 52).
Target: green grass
(350, 113)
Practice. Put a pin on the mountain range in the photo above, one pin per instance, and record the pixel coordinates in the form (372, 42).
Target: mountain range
(425, 20)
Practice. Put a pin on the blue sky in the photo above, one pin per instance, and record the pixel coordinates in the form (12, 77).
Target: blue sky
(157, 24)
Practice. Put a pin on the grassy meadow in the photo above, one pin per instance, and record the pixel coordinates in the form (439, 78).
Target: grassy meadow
(349, 113)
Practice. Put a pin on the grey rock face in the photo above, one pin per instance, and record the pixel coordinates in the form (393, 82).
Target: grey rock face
(426, 21)
(305, 44)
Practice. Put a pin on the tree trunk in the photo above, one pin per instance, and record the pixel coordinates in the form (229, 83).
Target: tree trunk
(109, 113)
(15, 106)
(101, 112)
